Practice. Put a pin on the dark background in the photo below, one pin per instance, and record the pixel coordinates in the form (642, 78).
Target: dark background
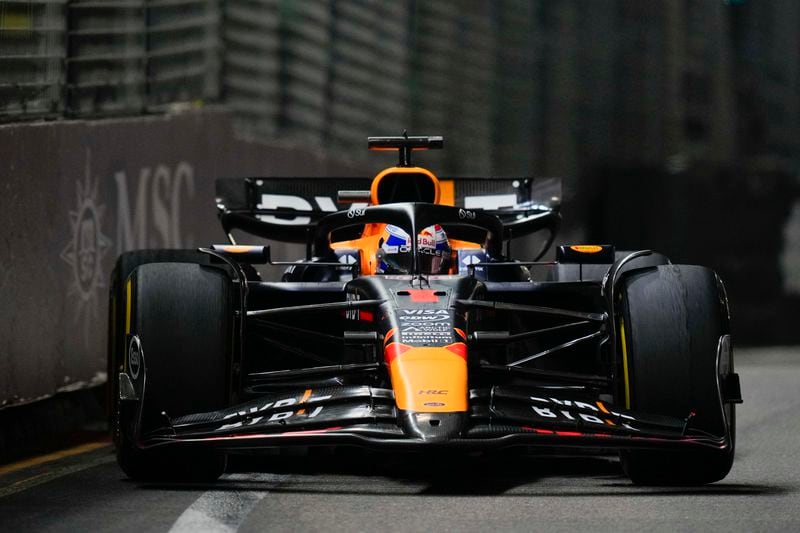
(675, 126)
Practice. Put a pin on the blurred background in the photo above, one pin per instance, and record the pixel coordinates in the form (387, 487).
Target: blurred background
(675, 126)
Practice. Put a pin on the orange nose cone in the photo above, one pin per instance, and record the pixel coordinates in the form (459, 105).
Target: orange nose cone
(429, 379)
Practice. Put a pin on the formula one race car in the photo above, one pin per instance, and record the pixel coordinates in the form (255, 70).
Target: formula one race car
(408, 327)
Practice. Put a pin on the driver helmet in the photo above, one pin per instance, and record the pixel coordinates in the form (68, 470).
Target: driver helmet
(394, 252)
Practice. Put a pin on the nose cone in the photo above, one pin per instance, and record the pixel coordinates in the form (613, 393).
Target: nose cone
(428, 379)
(430, 386)
(432, 427)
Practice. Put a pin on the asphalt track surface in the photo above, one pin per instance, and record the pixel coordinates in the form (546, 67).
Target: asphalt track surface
(87, 492)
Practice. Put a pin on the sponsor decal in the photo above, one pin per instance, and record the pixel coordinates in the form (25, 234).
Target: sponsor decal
(464, 214)
(291, 203)
(260, 413)
(426, 241)
(297, 207)
(86, 251)
(352, 314)
(426, 327)
(567, 410)
(469, 260)
(424, 315)
(491, 201)
(434, 392)
(134, 357)
(354, 212)
(347, 259)
(154, 219)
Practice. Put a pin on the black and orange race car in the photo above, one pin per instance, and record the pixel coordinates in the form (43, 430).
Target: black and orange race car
(408, 326)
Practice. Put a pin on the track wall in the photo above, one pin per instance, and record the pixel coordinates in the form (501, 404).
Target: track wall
(77, 194)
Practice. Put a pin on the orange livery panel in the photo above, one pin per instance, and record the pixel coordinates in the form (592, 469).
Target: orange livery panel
(429, 379)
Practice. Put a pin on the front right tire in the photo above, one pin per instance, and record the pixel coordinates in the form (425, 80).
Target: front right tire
(673, 317)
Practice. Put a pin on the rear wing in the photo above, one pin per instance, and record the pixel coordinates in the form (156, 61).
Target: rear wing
(287, 209)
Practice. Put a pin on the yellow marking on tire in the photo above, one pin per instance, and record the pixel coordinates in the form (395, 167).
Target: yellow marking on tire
(69, 452)
(625, 365)
(113, 334)
(128, 290)
(602, 407)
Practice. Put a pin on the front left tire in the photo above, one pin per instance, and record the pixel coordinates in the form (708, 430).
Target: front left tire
(181, 314)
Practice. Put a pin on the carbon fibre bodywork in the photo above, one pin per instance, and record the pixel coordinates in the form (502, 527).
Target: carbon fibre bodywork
(538, 375)
(492, 353)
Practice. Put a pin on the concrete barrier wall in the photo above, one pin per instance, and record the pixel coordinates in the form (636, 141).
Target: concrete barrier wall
(74, 195)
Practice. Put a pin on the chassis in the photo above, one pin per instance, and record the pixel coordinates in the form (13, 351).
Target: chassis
(599, 349)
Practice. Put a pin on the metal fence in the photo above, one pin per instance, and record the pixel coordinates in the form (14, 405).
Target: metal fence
(326, 73)
(32, 53)
(251, 82)
(331, 72)
(132, 56)
(183, 51)
(106, 61)
(94, 58)
(517, 86)
(321, 72)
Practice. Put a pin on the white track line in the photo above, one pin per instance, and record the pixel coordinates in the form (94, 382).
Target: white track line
(225, 510)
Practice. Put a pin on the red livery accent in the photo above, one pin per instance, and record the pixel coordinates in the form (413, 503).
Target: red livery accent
(458, 348)
(394, 349)
(272, 435)
(423, 296)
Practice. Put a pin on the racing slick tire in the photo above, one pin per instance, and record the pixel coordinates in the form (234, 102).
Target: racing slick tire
(180, 313)
(127, 263)
(673, 318)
